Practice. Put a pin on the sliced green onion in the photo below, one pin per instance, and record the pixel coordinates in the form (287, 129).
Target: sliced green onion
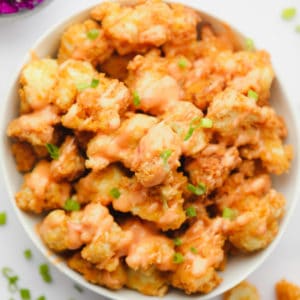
(182, 63)
(45, 273)
(229, 213)
(198, 190)
(93, 34)
(28, 254)
(41, 298)
(78, 288)
(178, 258)
(136, 98)
(3, 218)
(165, 155)
(94, 83)
(177, 241)
(252, 94)
(12, 279)
(194, 250)
(115, 193)
(189, 133)
(25, 294)
(191, 212)
(71, 205)
(206, 123)
(82, 86)
(53, 151)
(249, 44)
(297, 28)
(288, 13)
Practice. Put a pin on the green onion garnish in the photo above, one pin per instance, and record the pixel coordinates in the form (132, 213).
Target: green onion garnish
(198, 190)
(252, 94)
(297, 28)
(206, 123)
(93, 34)
(53, 151)
(197, 123)
(194, 250)
(78, 288)
(94, 83)
(136, 98)
(2, 218)
(12, 279)
(25, 294)
(115, 193)
(177, 241)
(191, 212)
(182, 63)
(288, 13)
(82, 86)
(28, 254)
(229, 213)
(249, 44)
(45, 273)
(71, 205)
(178, 258)
(165, 155)
(41, 298)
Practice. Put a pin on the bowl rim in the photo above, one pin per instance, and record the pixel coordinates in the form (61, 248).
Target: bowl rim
(100, 290)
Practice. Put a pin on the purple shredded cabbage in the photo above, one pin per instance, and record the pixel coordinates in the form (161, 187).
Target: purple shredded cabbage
(14, 6)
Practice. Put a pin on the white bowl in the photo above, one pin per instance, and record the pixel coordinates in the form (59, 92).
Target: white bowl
(239, 267)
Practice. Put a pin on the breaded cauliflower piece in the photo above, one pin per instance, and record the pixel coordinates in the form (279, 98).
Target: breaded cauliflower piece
(150, 282)
(37, 80)
(114, 280)
(135, 29)
(40, 192)
(72, 75)
(85, 41)
(70, 164)
(149, 248)
(157, 154)
(99, 108)
(96, 186)
(94, 227)
(212, 165)
(287, 291)
(201, 253)
(36, 128)
(243, 291)
(120, 145)
(24, 155)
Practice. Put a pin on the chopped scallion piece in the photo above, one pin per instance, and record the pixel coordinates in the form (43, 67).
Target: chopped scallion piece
(71, 205)
(198, 190)
(252, 94)
(28, 254)
(2, 218)
(78, 288)
(165, 155)
(82, 86)
(53, 151)
(136, 98)
(288, 13)
(25, 294)
(229, 213)
(12, 279)
(115, 193)
(45, 273)
(249, 43)
(178, 258)
(206, 123)
(194, 250)
(191, 212)
(93, 34)
(182, 63)
(41, 298)
(177, 242)
(94, 83)
(189, 133)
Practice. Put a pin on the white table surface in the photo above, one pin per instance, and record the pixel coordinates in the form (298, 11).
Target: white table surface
(259, 19)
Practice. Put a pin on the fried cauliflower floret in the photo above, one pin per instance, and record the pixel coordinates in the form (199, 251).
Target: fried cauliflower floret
(100, 108)
(114, 280)
(157, 154)
(85, 41)
(120, 145)
(36, 128)
(24, 155)
(243, 291)
(162, 204)
(149, 247)
(135, 29)
(287, 291)
(260, 207)
(213, 165)
(94, 227)
(97, 186)
(72, 74)
(149, 282)
(40, 192)
(70, 164)
(202, 252)
(37, 80)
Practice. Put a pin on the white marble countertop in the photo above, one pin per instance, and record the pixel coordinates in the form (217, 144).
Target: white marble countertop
(256, 18)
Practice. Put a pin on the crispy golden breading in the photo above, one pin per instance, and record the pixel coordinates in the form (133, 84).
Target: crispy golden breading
(40, 191)
(85, 41)
(287, 291)
(25, 156)
(243, 291)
